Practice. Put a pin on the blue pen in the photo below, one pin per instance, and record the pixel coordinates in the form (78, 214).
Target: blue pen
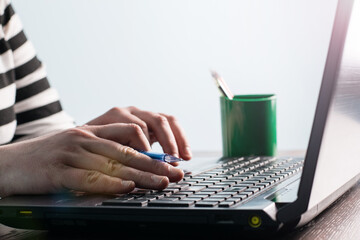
(164, 157)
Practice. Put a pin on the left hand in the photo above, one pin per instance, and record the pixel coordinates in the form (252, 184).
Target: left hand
(157, 127)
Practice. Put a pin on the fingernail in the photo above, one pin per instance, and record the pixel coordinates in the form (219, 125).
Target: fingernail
(163, 179)
(129, 183)
(156, 179)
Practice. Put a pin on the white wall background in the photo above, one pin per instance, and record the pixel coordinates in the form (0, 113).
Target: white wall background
(157, 54)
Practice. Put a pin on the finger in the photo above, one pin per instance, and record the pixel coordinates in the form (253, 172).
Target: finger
(94, 182)
(144, 179)
(183, 144)
(160, 126)
(118, 115)
(175, 164)
(124, 133)
(131, 158)
(114, 168)
(153, 138)
(129, 118)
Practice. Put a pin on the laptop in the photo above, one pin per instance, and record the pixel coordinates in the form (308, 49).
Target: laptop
(245, 194)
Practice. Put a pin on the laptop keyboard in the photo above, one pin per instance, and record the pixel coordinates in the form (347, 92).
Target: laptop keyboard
(223, 186)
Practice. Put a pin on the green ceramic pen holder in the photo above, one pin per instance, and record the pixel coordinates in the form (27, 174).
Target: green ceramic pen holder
(248, 125)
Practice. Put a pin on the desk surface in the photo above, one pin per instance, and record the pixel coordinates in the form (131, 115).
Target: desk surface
(340, 221)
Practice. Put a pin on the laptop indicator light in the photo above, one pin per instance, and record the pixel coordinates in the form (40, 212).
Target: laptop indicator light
(25, 213)
(254, 221)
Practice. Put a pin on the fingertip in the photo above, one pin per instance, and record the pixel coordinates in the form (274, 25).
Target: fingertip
(164, 182)
(186, 157)
(187, 153)
(175, 164)
(128, 186)
(159, 182)
(175, 174)
(181, 175)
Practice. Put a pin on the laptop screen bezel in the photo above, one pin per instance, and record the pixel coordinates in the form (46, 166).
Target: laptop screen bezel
(293, 211)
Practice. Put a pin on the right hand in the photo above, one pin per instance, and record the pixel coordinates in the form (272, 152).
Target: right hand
(96, 159)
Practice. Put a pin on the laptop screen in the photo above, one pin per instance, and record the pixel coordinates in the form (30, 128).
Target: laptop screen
(339, 156)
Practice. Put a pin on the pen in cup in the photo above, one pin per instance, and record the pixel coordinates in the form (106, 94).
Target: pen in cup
(164, 157)
(222, 86)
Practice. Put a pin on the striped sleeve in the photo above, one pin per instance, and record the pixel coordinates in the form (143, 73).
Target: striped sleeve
(37, 106)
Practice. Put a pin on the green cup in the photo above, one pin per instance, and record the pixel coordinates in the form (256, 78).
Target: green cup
(248, 125)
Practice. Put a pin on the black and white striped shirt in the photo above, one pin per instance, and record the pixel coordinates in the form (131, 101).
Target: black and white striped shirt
(28, 105)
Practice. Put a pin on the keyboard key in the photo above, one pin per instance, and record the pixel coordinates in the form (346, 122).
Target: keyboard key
(263, 185)
(223, 177)
(206, 204)
(236, 189)
(253, 190)
(187, 183)
(203, 184)
(208, 182)
(211, 191)
(192, 181)
(125, 197)
(226, 204)
(226, 194)
(171, 203)
(179, 195)
(270, 181)
(145, 199)
(187, 193)
(244, 184)
(217, 187)
(163, 193)
(254, 159)
(216, 179)
(246, 175)
(247, 193)
(194, 188)
(140, 191)
(223, 185)
(182, 183)
(200, 195)
(263, 175)
(211, 199)
(257, 178)
(237, 198)
(171, 190)
(198, 178)
(115, 202)
(192, 199)
(135, 195)
(231, 182)
(205, 175)
(250, 181)
(160, 197)
(178, 186)
(239, 178)
(282, 175)
(171, 198)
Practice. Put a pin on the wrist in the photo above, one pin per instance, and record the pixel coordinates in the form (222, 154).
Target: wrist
(4, 171)
(10, 164)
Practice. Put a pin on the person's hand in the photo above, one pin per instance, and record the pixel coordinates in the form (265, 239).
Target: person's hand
(157, 127)
(93, 159)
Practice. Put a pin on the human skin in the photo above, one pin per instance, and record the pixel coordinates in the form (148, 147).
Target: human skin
(157, 127)
(98, 157)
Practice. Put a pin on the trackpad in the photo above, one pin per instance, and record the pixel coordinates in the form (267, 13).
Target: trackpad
(287, 194)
